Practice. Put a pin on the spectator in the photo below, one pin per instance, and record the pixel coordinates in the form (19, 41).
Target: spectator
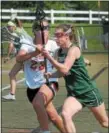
(105, 25)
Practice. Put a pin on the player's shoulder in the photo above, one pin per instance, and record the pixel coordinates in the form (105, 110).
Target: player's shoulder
(51, 42)
(51, 45)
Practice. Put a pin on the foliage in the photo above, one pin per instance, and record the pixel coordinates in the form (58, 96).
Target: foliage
(56, 5)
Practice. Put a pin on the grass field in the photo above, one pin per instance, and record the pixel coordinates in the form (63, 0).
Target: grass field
(19, 117)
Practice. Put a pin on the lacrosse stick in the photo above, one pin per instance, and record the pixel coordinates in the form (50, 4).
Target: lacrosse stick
(7, 37)
(40, 15)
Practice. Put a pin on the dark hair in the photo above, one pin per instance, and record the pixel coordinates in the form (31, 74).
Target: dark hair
(71, 31)
(36, 24)
(18, 22)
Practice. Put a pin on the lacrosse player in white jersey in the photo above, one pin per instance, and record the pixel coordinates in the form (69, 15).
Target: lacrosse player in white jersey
(39, 92)
(15, 29)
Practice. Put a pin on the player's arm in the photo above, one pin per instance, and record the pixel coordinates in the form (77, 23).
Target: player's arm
(18, 22)
(23, 55)
(55, 74)
(10, 49)
(64, 68)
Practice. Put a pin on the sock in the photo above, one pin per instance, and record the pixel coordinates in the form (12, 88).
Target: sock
(12, 94)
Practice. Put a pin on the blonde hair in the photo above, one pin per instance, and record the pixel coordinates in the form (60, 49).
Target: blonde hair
(10, 23)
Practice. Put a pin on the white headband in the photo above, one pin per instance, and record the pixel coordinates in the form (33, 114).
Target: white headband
(68, 31)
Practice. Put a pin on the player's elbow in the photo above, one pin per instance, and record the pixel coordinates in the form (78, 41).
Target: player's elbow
(65, 71)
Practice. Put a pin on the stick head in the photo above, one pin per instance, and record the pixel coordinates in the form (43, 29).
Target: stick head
(7, 36)
(40, 14)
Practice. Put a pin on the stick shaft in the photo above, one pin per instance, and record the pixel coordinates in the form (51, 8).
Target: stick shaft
(43, 42)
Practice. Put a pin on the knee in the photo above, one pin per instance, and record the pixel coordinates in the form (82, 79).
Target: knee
(11, 75)
(66, 116)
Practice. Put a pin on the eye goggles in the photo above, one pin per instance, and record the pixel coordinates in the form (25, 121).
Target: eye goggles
(38, 28)
(59, 34)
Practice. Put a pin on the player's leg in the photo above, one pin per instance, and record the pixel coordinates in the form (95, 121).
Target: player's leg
(55, 117)
(70, 108)
(100, 114)
(12, 75)
(43, 97)
(10, 49)
(96, 105)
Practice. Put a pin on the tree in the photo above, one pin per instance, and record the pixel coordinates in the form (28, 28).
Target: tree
(56, 5)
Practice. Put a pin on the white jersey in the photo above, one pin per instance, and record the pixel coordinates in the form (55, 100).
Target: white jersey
(34, 68)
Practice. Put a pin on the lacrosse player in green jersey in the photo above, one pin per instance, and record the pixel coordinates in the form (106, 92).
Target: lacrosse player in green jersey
(81, 91)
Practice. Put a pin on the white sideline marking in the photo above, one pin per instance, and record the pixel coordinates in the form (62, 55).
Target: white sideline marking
(95, 132)
(8, 86)
(7, 71)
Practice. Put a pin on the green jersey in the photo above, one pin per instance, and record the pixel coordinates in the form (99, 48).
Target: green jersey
(77, 81)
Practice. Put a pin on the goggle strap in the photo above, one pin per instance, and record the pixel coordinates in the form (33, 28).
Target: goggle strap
(68, 31)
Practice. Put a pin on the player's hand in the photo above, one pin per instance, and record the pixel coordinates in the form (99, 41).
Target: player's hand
(39, 47)
(45, 53)
(6, 59)
(47, 75)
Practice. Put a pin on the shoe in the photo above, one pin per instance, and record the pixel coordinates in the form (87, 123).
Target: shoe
(36, 131)
(9, 97)
(89, 63)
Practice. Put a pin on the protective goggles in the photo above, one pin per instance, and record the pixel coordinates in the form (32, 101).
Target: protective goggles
(38, 28)
(57, 34)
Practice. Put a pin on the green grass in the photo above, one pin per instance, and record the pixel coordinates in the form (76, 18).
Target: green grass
(20, 114)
